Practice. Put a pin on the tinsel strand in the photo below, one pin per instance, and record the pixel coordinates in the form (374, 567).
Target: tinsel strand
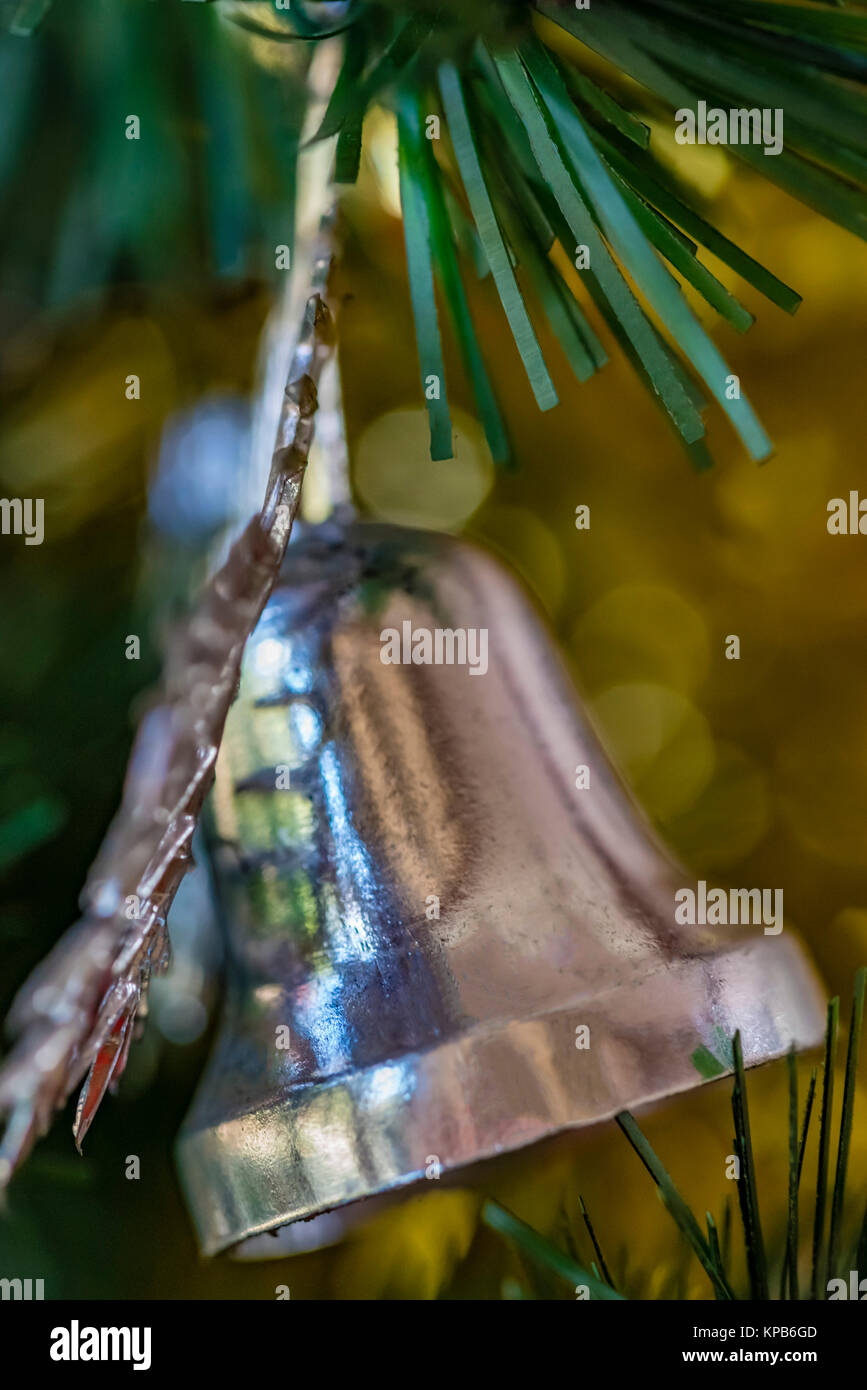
(75, 1015)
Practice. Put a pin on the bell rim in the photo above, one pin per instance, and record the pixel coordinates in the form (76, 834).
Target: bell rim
(269, 1166)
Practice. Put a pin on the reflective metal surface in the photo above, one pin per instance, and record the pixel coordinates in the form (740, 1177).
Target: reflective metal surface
(367, 1041)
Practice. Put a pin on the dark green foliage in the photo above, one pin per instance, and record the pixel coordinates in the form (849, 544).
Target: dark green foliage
(207, 190)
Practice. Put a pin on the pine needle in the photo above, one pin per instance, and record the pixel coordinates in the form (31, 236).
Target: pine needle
(846, 1119)
(726, 1239)
(649, 179)
(446, 262)
(555, 173)
(638, 256)
(713, 1240)
(824, 1142)
(417, 238)
(747, 1194)
(789, 1272)
(542, 1251)
(492, 238)
(678, 1208)
(596, 1246)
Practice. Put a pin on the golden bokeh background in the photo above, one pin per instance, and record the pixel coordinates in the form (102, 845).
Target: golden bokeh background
(754, 771)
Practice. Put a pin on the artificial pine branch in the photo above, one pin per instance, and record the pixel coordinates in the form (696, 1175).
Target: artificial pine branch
(588, 176)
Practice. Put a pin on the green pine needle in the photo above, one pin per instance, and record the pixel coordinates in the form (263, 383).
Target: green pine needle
(713, 1242)
(606, 1274)
(445, 259)
(492, 237)
(846, 1118)
(789, 1273)
(588, 94)
(824, 1142)
(747, 1194)
(577, 339)
(417, 236)
(649, 180)
(526, 102)
(543, 1252)
(625, 236)
(680, 1211)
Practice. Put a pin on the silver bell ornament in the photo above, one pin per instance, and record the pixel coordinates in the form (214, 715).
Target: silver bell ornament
(450, 933)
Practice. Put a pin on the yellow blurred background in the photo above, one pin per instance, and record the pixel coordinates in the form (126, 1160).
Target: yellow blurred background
(755, 770)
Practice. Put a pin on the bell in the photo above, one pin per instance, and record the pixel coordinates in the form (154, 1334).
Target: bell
(450, 933)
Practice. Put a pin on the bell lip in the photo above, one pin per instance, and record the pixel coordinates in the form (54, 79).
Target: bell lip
(250, 1174)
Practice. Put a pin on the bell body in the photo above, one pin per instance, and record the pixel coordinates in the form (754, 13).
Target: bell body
(440, 948)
